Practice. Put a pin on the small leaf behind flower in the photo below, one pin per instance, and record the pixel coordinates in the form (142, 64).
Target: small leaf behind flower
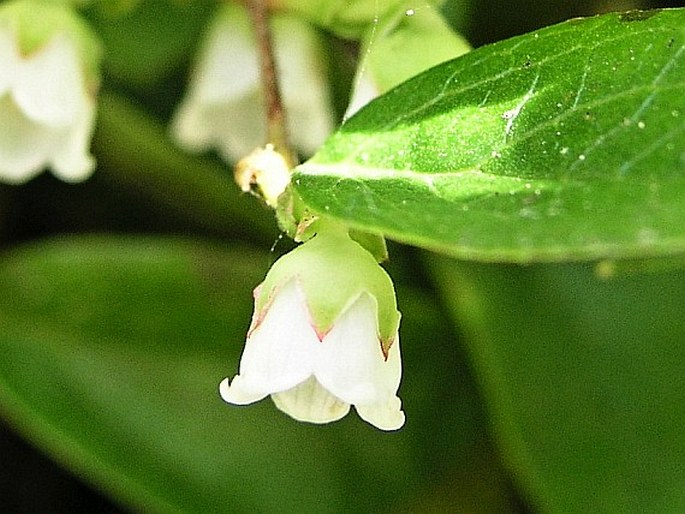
(563, 144)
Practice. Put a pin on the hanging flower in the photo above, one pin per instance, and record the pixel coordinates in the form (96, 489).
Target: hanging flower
(47, 78)
(324, 336)
(224, 107)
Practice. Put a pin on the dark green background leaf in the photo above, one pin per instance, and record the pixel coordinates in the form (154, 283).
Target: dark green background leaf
(135, 156)
(151, 41)
(566, 143)
(583, 377)
(113, 349)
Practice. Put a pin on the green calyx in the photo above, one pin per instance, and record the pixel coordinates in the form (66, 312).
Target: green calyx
(333, 271)
(36, 22)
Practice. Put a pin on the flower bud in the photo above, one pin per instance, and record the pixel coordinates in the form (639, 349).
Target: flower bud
(48, 79)
(324, 336)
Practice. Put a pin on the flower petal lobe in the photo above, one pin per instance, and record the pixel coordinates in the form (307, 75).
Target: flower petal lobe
(310, 402)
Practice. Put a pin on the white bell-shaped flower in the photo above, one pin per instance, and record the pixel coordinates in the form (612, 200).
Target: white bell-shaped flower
(46, 108)
(324, 336)
(224, 106)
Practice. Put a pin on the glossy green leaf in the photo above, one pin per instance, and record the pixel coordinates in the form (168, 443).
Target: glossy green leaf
(583, 377)
(113, 349)
(566, 143)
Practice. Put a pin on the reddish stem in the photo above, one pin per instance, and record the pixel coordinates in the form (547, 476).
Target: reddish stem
(275, 113)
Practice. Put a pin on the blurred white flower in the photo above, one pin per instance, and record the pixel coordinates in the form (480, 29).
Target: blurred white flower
(396, 48)
(224, 107)
(324, 338)
(47, 113)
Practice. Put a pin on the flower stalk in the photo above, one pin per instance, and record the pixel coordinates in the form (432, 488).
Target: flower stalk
(277, 133)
